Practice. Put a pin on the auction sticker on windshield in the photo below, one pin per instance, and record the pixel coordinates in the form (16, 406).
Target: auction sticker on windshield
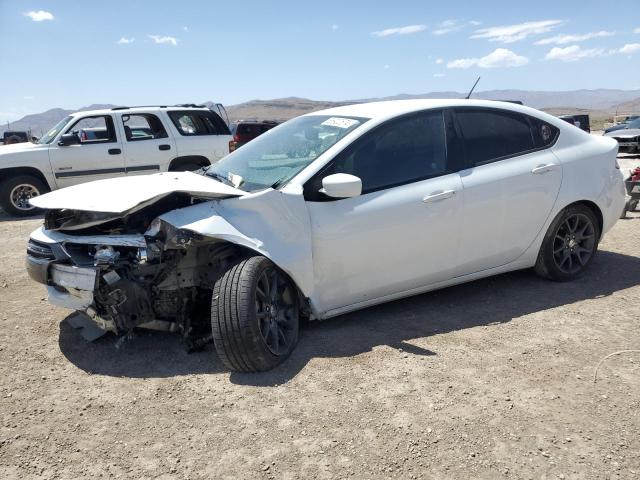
(340, 122)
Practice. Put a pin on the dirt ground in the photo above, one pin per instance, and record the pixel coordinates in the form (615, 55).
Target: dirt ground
(492, 379)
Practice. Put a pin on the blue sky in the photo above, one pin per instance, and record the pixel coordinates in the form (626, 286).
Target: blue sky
(74, 53)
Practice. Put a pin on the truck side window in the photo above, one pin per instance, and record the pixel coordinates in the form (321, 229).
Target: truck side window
(96, 129)
(143, 126)
(198, 123)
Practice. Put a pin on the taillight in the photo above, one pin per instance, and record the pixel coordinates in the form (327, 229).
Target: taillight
(236, 137)
(232, 146)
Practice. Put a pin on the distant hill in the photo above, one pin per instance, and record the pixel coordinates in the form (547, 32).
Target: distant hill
(279, 109)
(39, 123)
(601, 102)
(632, 106)
(601, 99)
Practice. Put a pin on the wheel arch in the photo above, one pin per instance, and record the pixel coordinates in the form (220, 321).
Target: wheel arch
(6, 173)
(244, 248)
(594, 208)
(188, 159)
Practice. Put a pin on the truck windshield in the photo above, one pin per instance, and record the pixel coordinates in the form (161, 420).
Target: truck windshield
(278, 155)
(51, 134)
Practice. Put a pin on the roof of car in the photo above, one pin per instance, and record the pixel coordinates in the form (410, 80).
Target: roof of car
(392, 108)
(153, 108)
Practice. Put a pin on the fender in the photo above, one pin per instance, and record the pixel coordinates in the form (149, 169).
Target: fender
(271, 222)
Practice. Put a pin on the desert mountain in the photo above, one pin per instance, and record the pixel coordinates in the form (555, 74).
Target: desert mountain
(602, 101)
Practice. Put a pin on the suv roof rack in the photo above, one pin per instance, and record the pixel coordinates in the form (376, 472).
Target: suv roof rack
(138, 106)
(182, 105)
(255, 120)
(190, 105)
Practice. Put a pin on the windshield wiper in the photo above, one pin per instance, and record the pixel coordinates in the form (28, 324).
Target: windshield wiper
(279, 182)
(220, 178)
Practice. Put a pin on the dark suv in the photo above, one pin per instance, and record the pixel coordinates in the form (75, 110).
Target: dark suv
(246, 130)
(581, 121)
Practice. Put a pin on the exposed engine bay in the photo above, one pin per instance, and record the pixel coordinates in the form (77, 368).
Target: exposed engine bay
(164, 285)
(163, 280)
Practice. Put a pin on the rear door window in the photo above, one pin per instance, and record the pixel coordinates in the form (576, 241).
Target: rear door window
(144, 126)
(491, 135)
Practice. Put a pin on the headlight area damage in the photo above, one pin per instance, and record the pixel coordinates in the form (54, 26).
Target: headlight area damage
(160, 281)
(156, 265)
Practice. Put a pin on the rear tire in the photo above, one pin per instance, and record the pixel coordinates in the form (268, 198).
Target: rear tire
(569, 245)
(15, 193)
(254, 316)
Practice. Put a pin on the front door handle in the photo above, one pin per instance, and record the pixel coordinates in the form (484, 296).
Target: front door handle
(115, 151)
(164, 147)
(439, 196)
(543, 168)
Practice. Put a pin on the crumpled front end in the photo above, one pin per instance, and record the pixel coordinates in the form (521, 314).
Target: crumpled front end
(122, 282)
(149, 269)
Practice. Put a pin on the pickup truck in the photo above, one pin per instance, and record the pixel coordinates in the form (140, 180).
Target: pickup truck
(121, 141)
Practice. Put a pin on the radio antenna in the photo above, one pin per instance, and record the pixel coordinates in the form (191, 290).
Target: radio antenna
(472, 89)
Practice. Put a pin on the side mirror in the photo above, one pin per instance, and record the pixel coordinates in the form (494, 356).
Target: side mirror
(341, 185)
(68, 139)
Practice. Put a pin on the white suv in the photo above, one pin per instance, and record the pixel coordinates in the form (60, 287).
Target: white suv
(98, 144)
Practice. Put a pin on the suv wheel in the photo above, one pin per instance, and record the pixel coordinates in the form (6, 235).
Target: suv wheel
(187, 167)
(16, 192)
(569, 245)
(254, 316)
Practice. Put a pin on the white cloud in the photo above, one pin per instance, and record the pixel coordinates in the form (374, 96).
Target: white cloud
(29, 97)
(500, 57)
(387, 66)
(475, 23)
(564, 39)
(159, 39)
(39, 15)
(636, 30)
(630, 48)
(334, 27)
(125, 40)
(439, 75)
(440, 61)
(186, 29)
(513, 33)
(448, 26)
(409, 29)
(572, 53)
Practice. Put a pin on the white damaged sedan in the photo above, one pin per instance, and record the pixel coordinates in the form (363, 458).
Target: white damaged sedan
(327, 213)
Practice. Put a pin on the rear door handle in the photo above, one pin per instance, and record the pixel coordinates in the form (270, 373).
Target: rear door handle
(439, 196)
(543, 168)
(164, 147)
(115, 151)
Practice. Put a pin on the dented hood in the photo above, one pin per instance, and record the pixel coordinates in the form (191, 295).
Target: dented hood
(118, 195)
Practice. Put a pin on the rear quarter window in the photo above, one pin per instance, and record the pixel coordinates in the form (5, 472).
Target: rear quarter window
(544, 134)
(198, 122)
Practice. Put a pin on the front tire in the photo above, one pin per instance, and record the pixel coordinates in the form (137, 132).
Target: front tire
(569, 245)
(254, 316)
(15, 193)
